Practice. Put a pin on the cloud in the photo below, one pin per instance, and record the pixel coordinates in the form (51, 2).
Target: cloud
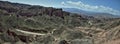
(63, 3)
(100, 8)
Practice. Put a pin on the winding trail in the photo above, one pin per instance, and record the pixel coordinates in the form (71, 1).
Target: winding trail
(92, 28)
(27, 32)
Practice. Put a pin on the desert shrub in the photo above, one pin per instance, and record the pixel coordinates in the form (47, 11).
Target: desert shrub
(45, 40)
(6, 38)
(59, 31)
(63, 42)
(82, 41)
(71, 35)
(32, 23)
(9, 21)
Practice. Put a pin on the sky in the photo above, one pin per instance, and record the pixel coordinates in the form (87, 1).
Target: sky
(106, 6)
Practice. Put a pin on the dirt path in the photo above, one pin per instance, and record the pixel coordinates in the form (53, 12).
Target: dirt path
(27, 32)
(92, 28)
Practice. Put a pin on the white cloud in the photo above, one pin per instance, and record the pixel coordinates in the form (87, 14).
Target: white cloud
(63, 3)
(81, 5)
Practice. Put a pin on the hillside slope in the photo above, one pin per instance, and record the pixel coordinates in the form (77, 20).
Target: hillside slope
(31, 24)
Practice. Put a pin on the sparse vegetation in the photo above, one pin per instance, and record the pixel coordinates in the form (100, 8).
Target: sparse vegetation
(59, 27)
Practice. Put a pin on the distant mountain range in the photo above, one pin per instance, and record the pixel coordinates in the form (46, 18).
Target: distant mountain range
(89, 13)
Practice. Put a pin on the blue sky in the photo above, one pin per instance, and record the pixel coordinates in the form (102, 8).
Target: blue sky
(107, 6)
